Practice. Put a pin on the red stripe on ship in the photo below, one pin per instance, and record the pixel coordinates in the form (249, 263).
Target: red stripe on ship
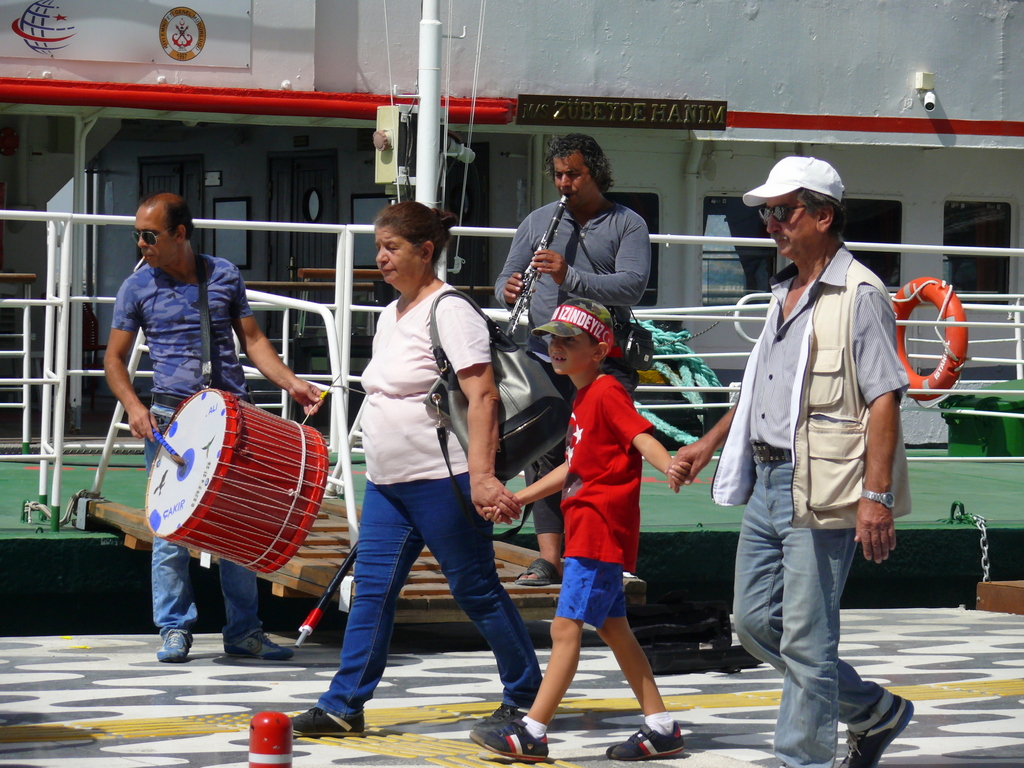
(867, 124)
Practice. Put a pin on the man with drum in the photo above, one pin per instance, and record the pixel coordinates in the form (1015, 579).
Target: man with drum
(600, 250)
(162, 298)
(814, 449)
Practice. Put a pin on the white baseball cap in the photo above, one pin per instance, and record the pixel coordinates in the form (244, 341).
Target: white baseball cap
(793, 173)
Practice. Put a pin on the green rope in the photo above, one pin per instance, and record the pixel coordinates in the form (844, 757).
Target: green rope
(689, 372)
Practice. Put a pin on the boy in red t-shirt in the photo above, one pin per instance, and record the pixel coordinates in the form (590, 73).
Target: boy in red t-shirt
(600, 482)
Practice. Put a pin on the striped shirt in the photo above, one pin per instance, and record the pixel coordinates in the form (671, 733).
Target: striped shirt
(879, 369)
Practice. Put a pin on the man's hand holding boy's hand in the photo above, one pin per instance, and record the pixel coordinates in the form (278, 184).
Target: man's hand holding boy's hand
(678, 473)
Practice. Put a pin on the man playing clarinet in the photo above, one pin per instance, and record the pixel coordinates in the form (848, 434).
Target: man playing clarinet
(600, 250)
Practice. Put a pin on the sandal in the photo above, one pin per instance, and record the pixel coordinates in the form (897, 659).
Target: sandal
(540, 573)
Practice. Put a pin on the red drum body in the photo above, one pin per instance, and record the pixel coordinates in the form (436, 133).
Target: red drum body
(251, 485)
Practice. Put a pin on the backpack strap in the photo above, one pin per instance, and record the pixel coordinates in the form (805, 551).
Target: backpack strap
(451, 377)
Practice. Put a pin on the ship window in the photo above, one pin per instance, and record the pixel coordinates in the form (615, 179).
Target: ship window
(645, 204)
(732, 271)
(311, 205)
(981, 225)
(876, 221)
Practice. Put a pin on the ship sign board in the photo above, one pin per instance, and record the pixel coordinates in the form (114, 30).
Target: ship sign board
(607, 112)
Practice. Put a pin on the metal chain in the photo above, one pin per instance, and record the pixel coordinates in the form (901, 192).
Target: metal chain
(979, 521)
(699, 333)
(958, 514)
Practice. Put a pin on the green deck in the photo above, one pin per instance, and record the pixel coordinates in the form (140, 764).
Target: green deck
(687, 543)
(992, 490)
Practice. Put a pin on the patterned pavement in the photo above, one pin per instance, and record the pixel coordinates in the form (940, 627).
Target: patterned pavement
(105, 702)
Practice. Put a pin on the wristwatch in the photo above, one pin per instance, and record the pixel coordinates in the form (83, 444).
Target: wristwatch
(886, 499)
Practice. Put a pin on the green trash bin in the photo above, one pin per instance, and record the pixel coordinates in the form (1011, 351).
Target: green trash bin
(985, 435)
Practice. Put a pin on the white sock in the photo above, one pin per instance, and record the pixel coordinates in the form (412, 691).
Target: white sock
(661, 722)
(535, 729)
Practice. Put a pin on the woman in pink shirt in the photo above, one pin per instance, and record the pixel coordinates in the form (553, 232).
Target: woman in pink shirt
(410, 502)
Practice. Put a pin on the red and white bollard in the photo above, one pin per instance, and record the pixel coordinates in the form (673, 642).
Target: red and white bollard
(270, 740)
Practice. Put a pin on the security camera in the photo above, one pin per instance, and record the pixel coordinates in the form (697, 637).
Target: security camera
(928, 99)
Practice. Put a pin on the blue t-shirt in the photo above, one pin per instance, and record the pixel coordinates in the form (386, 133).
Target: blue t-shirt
(168, 313)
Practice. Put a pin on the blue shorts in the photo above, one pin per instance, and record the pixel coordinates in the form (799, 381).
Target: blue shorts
(591, 591)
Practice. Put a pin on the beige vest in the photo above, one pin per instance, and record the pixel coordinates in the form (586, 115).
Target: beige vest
(831, 431)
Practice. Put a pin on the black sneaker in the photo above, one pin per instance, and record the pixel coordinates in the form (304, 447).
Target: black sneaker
(499, 718)
(647, 743)
(316, 722)
(512, 740)
(866, 747)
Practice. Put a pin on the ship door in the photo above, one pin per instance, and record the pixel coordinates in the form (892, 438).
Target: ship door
(180, 175)
(303, 188)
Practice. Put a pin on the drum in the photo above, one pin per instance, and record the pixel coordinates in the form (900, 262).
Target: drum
(250, 487)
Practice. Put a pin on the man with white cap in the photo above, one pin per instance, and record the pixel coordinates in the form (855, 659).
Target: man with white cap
(814, 449)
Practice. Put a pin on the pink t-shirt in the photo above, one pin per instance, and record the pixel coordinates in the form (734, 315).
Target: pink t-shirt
(398, 427)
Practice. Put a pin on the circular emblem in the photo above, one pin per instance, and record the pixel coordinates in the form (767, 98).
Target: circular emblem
(182, 34)
(43, 27)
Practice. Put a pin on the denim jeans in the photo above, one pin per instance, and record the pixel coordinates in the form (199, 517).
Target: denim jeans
(174, 605)
(788, 584)
(398, 519)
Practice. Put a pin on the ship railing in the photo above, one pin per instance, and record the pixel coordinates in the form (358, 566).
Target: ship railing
(61, 371)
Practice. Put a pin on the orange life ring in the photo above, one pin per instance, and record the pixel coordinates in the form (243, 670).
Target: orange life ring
(954, 346)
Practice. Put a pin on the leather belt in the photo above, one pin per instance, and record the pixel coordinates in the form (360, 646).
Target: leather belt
(168, 401)
(764, 452)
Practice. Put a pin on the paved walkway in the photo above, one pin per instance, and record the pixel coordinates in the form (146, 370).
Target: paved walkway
(105, 702)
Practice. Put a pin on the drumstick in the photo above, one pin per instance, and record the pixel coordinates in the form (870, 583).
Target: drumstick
(318, 611)
(322, 396)
(167, 447)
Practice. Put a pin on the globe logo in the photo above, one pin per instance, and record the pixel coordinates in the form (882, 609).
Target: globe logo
(43, 28)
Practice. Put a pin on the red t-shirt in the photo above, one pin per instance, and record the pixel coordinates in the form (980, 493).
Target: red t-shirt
(601, 496)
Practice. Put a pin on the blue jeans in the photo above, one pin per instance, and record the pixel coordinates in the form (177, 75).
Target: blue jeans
(174, 605)
(398, 519)
(788, 584)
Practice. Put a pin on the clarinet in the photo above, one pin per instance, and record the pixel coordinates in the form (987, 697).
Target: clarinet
(532, 275)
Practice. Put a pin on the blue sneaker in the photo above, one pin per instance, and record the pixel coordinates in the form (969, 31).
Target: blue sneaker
(647, 743)
(512, 740)
(175, 647)
(258, 646)
(866, 747)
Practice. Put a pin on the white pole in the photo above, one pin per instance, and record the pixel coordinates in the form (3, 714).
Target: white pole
(428, 128)
(78, 275)
(60, 367)
(49, 347)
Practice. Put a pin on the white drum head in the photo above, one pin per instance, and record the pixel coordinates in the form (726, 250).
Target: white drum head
(197, 434)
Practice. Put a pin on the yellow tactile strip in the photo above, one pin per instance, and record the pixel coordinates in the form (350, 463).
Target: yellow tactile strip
(446, 752)
(442, 751)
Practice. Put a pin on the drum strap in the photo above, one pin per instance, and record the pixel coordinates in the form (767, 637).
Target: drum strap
(204, 322)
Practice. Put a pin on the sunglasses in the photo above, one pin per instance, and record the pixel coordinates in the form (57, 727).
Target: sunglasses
(148, 236)
(780, 212)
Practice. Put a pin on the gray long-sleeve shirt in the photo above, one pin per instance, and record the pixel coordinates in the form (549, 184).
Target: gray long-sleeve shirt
(609, 261)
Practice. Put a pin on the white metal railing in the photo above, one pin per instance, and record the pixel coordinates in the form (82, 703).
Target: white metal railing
(23, 349)
(57, 378)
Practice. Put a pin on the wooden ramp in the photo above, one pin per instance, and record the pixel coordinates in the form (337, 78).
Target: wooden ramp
(425, 597)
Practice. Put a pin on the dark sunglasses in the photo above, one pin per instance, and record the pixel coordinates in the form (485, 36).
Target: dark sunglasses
(780, 212)
(148, 236)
